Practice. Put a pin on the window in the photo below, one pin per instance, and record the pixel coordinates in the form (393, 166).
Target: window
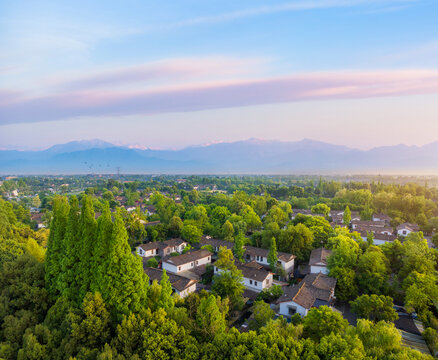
(208, 259)
(255, 283)
(248, 257)
(257, 258)
(291, 310)
(192, 264)
(196, 262)
(216, 268)
(179, 268)
(250, 282)
(404, 232)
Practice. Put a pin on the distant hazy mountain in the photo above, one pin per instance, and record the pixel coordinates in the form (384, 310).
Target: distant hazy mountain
(249, 156)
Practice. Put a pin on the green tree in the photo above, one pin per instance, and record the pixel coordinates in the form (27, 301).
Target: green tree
(166, 300)
(175, 226)
(55, 245)
(370, 238)
(238, 249)
(210, 321)
(152, 262)
(372, 271)
(262, 313)
(421, 291)
(191, 233)
(321, 209)
(272, 255)
(99, 261)
(251, 218)
(91, 329)
(374, 307)
(229, 281)
(346, 218)
(346, 288)
(88, 227)
(323, 321)
(228, 231)
(125, 285)
(70, 263)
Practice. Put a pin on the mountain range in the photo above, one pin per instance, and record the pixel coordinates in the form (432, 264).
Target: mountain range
(251, 156)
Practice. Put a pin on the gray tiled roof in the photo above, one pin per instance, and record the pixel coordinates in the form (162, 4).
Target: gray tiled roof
(187, 257)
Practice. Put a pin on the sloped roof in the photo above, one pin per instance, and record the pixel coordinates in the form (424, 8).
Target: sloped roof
(216, 242)
(162, 244)
(253, 273)
(408, 226)
(255, 251)
(187, 257)
(313, 287)
(319, 255)
(178, 282)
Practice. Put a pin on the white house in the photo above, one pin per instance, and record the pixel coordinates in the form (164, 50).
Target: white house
(313, 291)
(382, 217)
(255, 278)
(161, 248)
(379, 239)
(187, 261)
(180, 284)
(259, 255)
(318, 261)
(371, 224)
(215, 243)
(406, 228)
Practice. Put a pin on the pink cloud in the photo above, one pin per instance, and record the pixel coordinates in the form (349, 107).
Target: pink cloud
(176, 69)
(221, 94)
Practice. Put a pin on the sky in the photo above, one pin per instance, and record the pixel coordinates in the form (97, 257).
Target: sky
(169, 74)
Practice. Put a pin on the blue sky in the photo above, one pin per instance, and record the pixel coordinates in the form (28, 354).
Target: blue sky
(361, 73)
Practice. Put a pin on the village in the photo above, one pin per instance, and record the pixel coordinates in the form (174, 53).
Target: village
(290, 283)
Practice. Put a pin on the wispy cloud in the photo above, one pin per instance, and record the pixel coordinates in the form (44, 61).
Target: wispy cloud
(287, 7)
(220, 94)
(168, 70)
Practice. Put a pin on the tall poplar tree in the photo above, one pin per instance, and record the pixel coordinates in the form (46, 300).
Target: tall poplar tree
(346, 219)
(238, 249)
(99, 263)
(273, 255)
(125, 285)
(70, 263)
(88, 237)
(166, 300)
(55, 245)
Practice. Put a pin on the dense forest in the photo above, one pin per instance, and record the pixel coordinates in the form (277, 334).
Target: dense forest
(75, 289)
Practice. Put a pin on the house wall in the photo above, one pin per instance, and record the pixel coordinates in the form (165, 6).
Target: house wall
(288, 266)
(263, 260)
(317, 269)
(170, 267)
(258, 285)
(403, 232)
(284, 309)
(187, 266)
(168, 250)
(379, 242)
(187, 291)
(147, 253)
